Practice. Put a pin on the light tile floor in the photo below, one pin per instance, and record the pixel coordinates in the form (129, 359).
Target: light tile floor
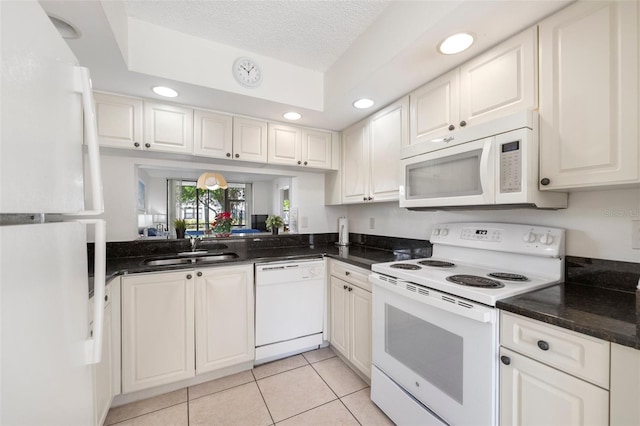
(314, 388)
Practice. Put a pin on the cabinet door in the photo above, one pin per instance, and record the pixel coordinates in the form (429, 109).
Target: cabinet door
(316, 149)
(157, 329)
(213, 134)
(168, 128)
(284, 145)
(434, 108)
(339, 323)
(249, 140)
(224, 317)
(625, 385)
(119, 121)
(533, 394)
(360, 329)
(589, 95)
(388, 133)
(355, 163)
(501, 81)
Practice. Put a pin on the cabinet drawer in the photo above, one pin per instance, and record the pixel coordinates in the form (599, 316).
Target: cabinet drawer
(577, 354)
(352, 274)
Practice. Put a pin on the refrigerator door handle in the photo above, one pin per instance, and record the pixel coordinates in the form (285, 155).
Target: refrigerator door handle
(93, 149)
(93, 345)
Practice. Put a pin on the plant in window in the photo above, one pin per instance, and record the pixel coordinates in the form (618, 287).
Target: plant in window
(180, 226)
(274, 222)
(222, 224)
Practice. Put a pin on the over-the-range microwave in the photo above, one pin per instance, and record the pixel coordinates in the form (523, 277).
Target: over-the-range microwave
(491, 165)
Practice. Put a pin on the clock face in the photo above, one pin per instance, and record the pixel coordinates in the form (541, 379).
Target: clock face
(247, 72)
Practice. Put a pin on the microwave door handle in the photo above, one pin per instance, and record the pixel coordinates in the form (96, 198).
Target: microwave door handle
(487, 170)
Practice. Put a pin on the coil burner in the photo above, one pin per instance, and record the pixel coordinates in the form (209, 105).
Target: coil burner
(437, 263)
(406, 266)
(474, 281)
(508, 276)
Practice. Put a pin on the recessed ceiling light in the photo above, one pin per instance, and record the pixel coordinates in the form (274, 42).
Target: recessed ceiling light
(363, 103)
(65, 29)
(292, 116)
(456, 43)
(165, 91)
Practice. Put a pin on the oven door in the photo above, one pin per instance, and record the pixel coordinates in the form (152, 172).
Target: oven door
(440, 349)
(461, 175)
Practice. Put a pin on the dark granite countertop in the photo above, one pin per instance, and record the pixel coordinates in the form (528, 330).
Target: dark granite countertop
(598, 299)
(129, 257)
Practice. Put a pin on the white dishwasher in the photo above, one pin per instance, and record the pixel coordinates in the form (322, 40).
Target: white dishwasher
(290, 307)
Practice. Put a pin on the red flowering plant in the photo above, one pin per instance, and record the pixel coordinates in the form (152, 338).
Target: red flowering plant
(222, 224)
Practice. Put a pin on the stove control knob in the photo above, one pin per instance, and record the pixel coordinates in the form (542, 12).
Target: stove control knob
(444, 232)
(436, 232)
(529, 237)
(546, 239)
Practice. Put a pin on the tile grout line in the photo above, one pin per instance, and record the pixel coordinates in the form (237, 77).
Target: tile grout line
(263, 400)
(313, 408)
(222, 390)
(150, 412)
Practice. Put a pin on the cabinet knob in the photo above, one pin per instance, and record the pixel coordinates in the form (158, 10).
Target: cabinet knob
(147, 145)
(299, 162)
(364, 198)
(305, 163)
(344, 287)
(237, 155)
(106, 298)
(347, 273)
(136, 144)
(199, 274)
(505, 360)
(369, 198)
(463, 123)
(452, 127)
(189, 276)
(228, 154)
(350, 288)
(545, 181)
(543, 345)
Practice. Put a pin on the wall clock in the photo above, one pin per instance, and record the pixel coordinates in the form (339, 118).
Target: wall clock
(247, 72)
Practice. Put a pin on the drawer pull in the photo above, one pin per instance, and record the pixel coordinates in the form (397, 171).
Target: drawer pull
(543, 345)
(505, 360)
(347, 273)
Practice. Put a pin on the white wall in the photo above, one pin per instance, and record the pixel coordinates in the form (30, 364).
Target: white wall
(262, 197)
(598, 223)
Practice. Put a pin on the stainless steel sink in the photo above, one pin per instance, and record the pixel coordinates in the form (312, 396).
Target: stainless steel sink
(188, 260)
(193, 253)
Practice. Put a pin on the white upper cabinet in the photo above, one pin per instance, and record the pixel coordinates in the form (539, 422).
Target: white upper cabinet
(295, 146)
(371, 155)
(119, 120)
(498, 82)
(213, 134)
(249, 140)
(168, 128)
(589, 96)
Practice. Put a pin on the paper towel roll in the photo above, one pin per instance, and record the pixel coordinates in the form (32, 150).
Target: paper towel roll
(343, 231)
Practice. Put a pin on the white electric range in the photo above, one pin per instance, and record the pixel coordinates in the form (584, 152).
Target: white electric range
(435, 326)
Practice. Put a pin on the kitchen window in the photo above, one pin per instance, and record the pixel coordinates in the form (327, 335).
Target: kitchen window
(199, 207)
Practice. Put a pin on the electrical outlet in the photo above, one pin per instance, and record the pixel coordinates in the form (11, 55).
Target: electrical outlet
(635, 234)
(372, 223)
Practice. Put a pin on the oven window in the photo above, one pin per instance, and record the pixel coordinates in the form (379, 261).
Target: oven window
(433, 353)
(452, 176)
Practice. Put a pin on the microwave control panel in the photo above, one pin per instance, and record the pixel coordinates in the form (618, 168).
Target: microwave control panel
(511, 167)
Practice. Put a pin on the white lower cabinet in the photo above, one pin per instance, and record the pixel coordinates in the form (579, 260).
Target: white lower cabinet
(179, 324)
(532, 393)
(550, 375)
(157, 329)
(224, 317)
(350, 317)
(625, 385)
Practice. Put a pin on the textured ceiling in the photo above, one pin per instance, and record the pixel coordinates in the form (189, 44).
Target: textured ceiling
(310, 34)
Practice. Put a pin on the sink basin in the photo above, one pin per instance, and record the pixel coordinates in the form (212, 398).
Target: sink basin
(167, 262)
(201, 257)
(216, 257)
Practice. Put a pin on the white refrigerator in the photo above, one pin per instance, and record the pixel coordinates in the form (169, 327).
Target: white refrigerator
(47, 351)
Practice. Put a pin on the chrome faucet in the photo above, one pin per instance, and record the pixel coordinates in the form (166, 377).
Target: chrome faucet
(194, 242)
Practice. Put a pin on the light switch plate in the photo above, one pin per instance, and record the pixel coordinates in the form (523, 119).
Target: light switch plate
(635, 234)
